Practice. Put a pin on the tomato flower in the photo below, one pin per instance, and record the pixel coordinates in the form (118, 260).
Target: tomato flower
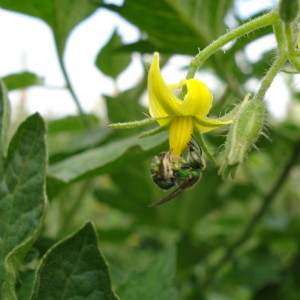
(180, 117)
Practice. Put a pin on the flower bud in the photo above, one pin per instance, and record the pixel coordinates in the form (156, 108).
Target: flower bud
(288, 10)
(243, 133)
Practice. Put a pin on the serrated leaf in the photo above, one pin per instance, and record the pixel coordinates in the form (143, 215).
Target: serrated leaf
(22, 198)
(61, 15)
(194, 23)
(155, 282)
(4, 121)
(110, 60)
(22, 80)
(74, 269)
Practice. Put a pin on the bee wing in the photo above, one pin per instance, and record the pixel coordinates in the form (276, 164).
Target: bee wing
(172, 195)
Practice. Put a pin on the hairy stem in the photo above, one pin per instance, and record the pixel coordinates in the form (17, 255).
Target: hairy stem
(269, 77)
(265, 204)
(265, 20)
(296, 63)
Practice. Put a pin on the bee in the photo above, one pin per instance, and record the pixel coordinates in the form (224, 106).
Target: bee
(168, 171)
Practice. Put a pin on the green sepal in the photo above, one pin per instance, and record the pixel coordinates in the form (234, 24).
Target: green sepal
(132, 124)
(242, 135)
(231, 115)
(153, 132)
(204, 147)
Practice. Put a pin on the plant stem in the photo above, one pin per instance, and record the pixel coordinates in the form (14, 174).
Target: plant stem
(269, 77)
(265, 20)
(296, 63)
(69, 86)
(203, 147)
(256, 218)
(289, 37)
(282, 56)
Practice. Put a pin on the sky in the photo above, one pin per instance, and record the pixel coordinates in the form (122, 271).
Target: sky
(27, 44)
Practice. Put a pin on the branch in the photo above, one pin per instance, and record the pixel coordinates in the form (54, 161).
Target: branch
(265, 20)
(85, 120)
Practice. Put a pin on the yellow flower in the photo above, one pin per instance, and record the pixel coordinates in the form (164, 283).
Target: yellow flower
(182, 117)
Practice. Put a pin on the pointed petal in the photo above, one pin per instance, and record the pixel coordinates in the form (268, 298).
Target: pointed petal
(162, 102)
(181, 130)
(205, 124)
(198, 99)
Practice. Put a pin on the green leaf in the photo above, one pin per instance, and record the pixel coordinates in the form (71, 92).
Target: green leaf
(140, 46)
(74, 269)
(22, 80)
(104, 158)
(110, 60)
(155, 282)
(26, 283)
(178, 26)
(125, 107)
(129, 196)
(61, 15)
(67, 136)
(22, 199)
(71, 124)
(4, 121)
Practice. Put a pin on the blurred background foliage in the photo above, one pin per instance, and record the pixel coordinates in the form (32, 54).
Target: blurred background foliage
(224, 239)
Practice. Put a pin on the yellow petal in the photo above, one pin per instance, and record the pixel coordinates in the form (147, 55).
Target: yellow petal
(198, 99)
(205, 124)
(162, 102)
(181, 130)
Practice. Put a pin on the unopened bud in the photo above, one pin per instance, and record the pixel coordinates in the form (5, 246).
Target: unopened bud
(288, 10)
(243, 133)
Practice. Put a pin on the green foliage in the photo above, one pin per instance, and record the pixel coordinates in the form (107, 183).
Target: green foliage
(110, 61)
(92, 161)
(234, 238)
(194, 22)
(22, 200)
(74, 268)
(22, 80)
(4, 121)
(147, 285)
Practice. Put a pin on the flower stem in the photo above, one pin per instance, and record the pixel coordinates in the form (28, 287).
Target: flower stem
(296, 63)
(269, 77)
(265, 20)
(289, 37)
(282, 56)
(204, 147)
